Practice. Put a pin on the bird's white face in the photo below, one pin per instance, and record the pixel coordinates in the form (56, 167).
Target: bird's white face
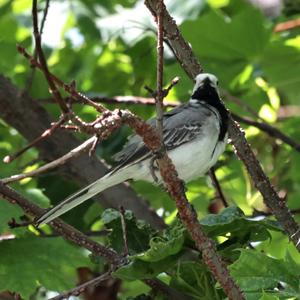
(206, 77)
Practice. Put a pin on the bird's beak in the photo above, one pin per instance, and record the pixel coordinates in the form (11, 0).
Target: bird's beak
(206, 82)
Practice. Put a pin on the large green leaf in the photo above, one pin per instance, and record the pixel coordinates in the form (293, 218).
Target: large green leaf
(138, 269)
(170, 243)
(284, 74)
(30, 262)
(220, 41)
(233, 220)
(255, 271)
(138, 233)
(194, 280)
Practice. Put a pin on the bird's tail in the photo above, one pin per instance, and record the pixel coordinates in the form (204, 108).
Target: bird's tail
(82, 195)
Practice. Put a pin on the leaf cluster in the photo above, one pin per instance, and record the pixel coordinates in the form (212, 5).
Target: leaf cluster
(109, 48)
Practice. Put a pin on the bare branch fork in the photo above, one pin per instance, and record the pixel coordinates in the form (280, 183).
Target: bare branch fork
(190, 64)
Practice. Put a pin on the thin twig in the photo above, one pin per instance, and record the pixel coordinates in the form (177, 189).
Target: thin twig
(159, 70)
(53, 164)
(218, 188)
(65, 230)
(81, 288)
(33, 69)
(67, 87)
(43, 136)
(241, 103)
(40, 54)
(166, 290)
(90, 233)
(288, 25)
(166, 91)
(270, 130)
(128, 100)
(124, 230)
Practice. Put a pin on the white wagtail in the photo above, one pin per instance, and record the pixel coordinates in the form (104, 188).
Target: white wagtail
(195, 135)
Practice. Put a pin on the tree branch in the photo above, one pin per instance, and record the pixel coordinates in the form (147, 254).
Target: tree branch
(84, 169)
(65, 230)
(159, 71)
(186, 212)
(53, 164)
(75, 236)
(82, 287)
(288, 25)
(270, 130)
(181, 48)
(243, 150)
(40, 55)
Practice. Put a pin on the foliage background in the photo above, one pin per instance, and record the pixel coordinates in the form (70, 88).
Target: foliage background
(109, 48)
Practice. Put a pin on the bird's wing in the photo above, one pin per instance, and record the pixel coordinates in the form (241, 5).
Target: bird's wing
(180, 125)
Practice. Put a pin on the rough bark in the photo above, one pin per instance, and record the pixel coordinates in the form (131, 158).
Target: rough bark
(31, 119)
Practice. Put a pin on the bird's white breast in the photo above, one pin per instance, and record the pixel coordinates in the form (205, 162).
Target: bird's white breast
(195, 158)
(192, 159)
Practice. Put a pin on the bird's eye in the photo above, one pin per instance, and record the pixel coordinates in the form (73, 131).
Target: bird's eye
(217, 82)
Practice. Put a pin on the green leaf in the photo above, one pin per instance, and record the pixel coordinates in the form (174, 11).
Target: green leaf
(283, 74)
(167, 245)
(233, 220)
(255, 271)
(268, 297)
(38, 197)
(220, 41)
(7, 212)
(194, 280)
(138, 232)
(88, 28)
(140, 297)
(138, 269)
(28, 263)
(155, 195)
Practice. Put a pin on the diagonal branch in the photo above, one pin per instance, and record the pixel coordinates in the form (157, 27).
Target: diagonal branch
(40, 55)
(67, 87)
(190, 64)
(75, 236)
(270, 130)
(81, 288)
(84, 169)
(186, 212)
(65, 230)
(53, 164)
(180, 47)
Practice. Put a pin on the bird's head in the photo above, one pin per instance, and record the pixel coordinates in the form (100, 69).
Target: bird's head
(206, 88)
(206, 80)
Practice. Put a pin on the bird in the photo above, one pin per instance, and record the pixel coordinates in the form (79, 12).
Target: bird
(194, 135)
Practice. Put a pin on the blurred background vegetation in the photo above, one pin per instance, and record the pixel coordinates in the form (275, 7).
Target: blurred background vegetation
(109, 48)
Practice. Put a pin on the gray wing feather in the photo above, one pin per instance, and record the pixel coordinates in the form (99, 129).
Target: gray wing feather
(181, 125)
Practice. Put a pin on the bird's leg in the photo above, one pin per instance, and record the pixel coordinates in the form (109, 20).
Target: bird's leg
(152, 168)
(183, 187)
